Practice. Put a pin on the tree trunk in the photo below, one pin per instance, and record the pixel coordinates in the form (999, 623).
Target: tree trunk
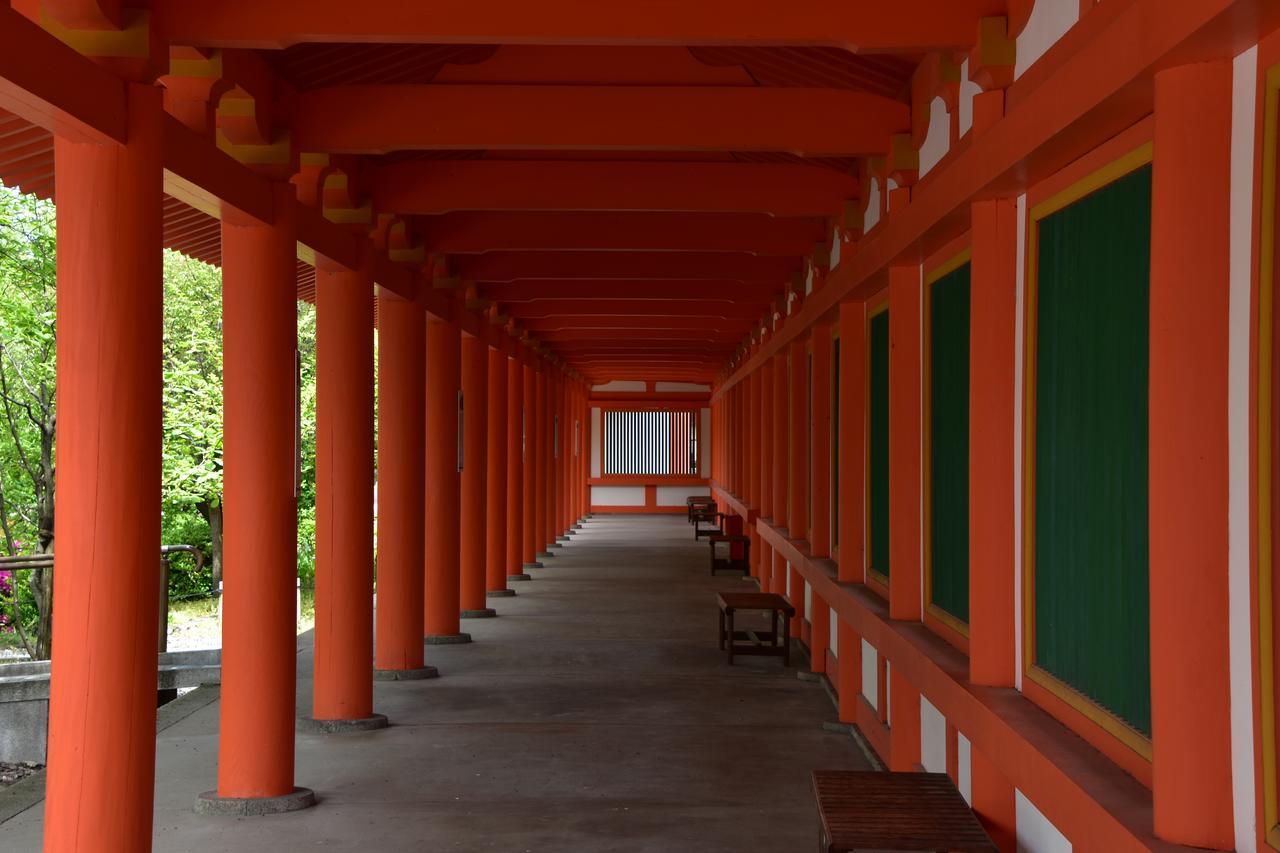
(212, 512)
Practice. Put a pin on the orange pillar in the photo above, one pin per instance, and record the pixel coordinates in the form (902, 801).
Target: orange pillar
(103, 691)
(764, 413)
(496, 491)
(475, 455)
(852, 460)
(820, 445)
(849, 662)
(343, 686)
(540, 459)
(819, 634)
(752, 427)
(994, 801)
(259, 627)
(441, 612)
(993, 341)
(779, 456)
(904, 442)
(1190, 338)
(559, 522)
(904, 724)
(515, 470)
(401, 509)
(798, 410)
(552, 423)
(529, 481)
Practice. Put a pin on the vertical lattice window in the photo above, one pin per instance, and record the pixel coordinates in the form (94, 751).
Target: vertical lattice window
(651, 443)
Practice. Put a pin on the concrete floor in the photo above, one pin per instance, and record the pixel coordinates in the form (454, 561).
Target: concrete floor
(595, 714)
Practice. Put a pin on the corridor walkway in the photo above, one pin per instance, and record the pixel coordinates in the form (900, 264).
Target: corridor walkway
(595, 714)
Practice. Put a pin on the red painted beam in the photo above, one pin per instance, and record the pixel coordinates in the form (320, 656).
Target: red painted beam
(51, 85)
(808, 122)
(441, 186)
(471, 232)
(527, 290)
(568, 337)
(513, 266)
(605, 325)
(905, 25)
(589, 308)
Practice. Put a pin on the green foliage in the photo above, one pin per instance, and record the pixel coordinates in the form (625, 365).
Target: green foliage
(193, 442)
(307, 493)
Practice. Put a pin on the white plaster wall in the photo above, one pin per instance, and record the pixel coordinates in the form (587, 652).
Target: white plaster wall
(663, 387)
(787, 575)
(675, 495)
(1049, 21)
(833, 631)
(835, 250)
(1034, 831)
(968, 90)
(938, 139)
(1240, 278)
(964, 768)
(870, 667)
(808, 601)
(617, 495)
(872, 214)
(704, 444)
(596, 426)
(622, 385)
(933, 737)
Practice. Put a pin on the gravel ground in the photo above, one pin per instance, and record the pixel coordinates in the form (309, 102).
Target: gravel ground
(10, 773)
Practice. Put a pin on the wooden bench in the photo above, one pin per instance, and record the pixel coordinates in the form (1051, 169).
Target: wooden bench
(697, 501)
(706, 515)
(778, 644)
(894, 811)
(735, 544)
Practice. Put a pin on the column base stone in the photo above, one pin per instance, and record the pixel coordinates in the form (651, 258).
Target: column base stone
(446, 639)
(419, 674)
(209, 803)
(312, 726)
(482, 613)
(533, 565)
(499, 593)
(545, 555)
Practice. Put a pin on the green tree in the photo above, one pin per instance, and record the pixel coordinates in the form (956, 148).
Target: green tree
(28, 420)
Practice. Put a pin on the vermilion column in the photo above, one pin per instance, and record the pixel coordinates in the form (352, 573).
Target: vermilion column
(904, 733)
(496, 478)
(343, 686)
(443, 490)
(798, 411)
(764, 412)
(853, 427)
(849, 665)
(515, 470)
(992, 409)
(401, 509)
(904, 442)
(820, 445)
(542, 482)
(555, 514)
(779, 456)
(551, 426)
(1189, 474)
(103, 690)
(819, 634)
(259, 626)
(529, 435)
(752, 428)
(475, 429)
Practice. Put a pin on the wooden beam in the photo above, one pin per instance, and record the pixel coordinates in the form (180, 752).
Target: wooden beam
(469, 232)
(905, 25)
(513, 266)
(808, 122)
(52, 86)
(425, 187)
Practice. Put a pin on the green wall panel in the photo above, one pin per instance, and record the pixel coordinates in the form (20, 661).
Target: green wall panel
(949, 442)
(1091, 570)
(878, 441)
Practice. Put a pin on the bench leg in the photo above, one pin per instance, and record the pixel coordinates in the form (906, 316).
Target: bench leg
(786, 640)
(731, 635)
(721, 630)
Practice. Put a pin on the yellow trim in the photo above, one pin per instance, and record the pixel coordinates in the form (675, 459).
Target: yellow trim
(882, 307)
(1096, 713)
(1266, 429)
(936, 274)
